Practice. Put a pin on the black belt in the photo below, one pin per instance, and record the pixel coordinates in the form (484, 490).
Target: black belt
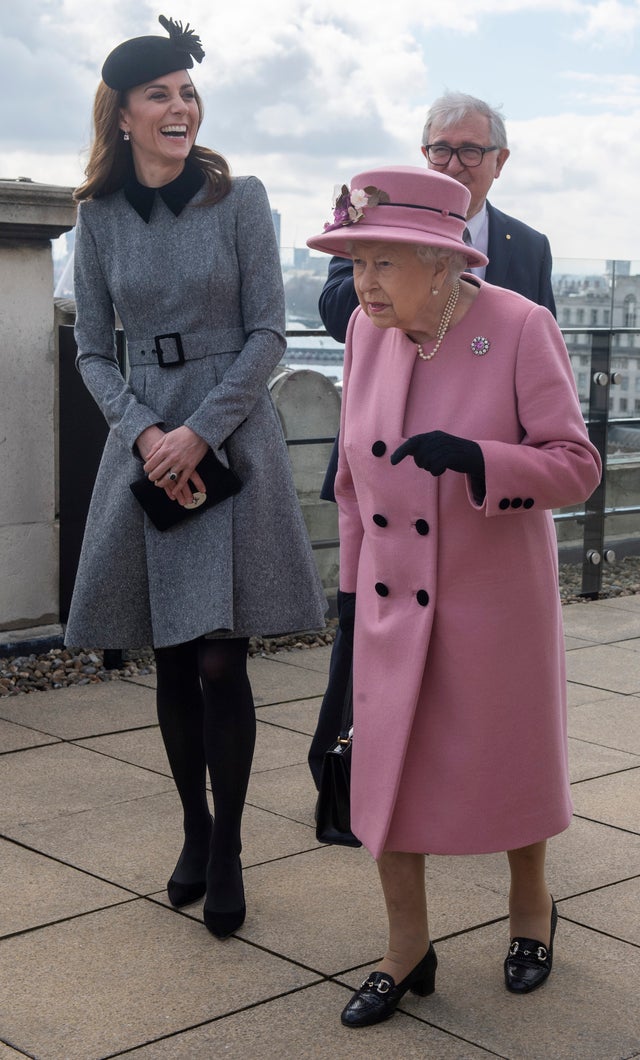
(173, 348)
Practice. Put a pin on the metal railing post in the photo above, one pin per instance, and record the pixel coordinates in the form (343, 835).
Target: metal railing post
(598, 425)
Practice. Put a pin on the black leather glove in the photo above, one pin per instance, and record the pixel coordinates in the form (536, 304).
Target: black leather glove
(347, 615)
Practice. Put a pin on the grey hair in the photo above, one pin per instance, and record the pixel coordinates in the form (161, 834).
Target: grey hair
(456, 260)
(454, 107)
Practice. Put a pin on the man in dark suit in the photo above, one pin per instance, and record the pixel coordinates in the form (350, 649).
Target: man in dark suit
(466, 139)
(519, 257)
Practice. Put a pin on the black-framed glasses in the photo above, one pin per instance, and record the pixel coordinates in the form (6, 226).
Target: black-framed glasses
(468, 155)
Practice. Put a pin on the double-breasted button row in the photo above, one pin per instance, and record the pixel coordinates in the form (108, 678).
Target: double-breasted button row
(422, 596)
(515, 502)
(421, 525)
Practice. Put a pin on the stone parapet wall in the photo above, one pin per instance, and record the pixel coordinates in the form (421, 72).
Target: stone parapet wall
(30, 216)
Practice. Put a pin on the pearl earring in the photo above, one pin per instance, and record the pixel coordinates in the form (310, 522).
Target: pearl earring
(126, 136)
(434, 290)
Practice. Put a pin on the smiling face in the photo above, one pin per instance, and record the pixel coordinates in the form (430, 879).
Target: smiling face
(162, 119)
(394, 286)
(474, 129)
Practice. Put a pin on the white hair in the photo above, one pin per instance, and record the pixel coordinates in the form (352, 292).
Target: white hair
(456, 260)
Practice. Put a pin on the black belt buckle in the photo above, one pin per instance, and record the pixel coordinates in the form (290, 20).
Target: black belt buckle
(175, 335)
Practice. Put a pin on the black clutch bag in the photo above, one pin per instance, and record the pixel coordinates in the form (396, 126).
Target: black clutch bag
(220, 481)
(333, 810)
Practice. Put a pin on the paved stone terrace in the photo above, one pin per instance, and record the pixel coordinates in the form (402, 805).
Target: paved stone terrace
(95, 964)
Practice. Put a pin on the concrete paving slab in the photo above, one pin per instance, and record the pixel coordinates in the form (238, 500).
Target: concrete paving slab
(145, 680)
(294, 888)
(73, 713)
(611, 910)
(571, 643)
(604, 666)
(613, 721)
(614, 800)
(142, 747)
(310, 658)
(277, 747)
(301, 715)
(578, 694)
(18, 737)
(133, 844)
(136, 843)
(325, 908)
(602, 625)
(49, 782)
(306, 1026)
(588, 760)
(582, 1010)
(37, 890)
(289, 792)
(112, 980)
(621, 603)
(274, 682)
(630, 645)
(7, 1053)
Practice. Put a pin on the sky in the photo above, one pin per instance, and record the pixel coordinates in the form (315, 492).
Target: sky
(307, 93)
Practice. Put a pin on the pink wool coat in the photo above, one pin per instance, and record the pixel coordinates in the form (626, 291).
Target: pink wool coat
(460, 739)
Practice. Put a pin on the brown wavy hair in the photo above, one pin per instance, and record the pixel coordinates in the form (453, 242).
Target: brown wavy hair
(110, 157)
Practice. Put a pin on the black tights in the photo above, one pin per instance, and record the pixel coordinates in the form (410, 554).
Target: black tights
(207, 720)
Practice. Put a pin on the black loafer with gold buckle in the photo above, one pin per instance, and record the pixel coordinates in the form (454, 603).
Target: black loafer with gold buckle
(528, 962)
(378, 997)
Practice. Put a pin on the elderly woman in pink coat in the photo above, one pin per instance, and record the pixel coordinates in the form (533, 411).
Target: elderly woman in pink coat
(461, 430)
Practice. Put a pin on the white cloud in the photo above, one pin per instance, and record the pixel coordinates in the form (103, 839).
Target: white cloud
(617, 91)
(610, 22)
(574, 177)
(306, 93)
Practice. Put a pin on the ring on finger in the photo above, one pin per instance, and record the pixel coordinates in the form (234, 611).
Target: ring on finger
(172, 475)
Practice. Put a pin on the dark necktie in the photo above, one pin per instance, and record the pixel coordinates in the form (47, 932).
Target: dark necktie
(466, 235)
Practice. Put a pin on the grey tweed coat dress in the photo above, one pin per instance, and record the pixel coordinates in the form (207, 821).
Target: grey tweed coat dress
(245, 566)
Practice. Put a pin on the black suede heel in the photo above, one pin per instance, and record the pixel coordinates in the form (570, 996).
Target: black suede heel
(223, 923)
(185, 891)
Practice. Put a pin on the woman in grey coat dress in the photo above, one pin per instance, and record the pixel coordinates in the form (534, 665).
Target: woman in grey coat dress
(187, 256)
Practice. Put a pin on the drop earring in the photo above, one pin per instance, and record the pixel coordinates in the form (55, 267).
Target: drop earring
(434, 290)
(125, 135)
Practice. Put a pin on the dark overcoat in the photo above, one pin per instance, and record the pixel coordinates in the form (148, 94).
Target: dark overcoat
(213, 275)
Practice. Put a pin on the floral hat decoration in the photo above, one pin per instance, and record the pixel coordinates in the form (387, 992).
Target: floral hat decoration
(141, 59)
(398, 204)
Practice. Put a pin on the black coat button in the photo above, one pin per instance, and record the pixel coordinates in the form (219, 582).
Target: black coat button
(381, 589)
(422, 596)
(516, 502)
(422, 527)
(504, 504)
(529, 503)
(378, 448)
(380, 520)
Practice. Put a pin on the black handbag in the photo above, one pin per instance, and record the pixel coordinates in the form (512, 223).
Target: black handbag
(221, 482)
(333, 811)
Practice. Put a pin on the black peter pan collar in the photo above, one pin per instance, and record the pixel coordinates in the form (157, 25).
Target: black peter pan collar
(175, 195)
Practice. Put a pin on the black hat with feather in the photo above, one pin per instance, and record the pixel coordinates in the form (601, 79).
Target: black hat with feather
(142, 59)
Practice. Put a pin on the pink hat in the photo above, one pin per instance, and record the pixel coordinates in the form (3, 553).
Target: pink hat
(399, 204)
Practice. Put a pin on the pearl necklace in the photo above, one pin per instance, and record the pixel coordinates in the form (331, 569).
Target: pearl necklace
(443, 326)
